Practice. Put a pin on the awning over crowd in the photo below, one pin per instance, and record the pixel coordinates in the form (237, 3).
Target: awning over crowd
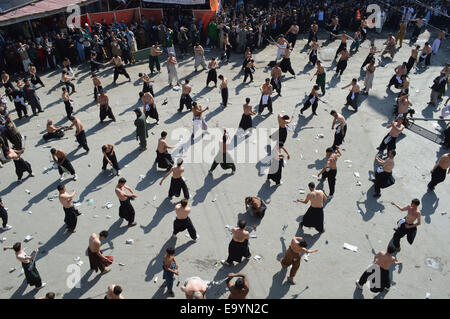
(38, 9)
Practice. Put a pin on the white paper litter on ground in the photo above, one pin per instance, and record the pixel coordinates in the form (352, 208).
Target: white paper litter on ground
(129, 241)
(306, 257)
(349, 166)
(214, 199)
(348, 161)
(107, 216)
(356, 174)
(176, 88)
(30, 212)
(80, 263)
(350, 247)
(108, 205)
(76, 205)
(2, 239)
(120, 264)
(155, 280)
(141, 177)
(12, 269)
(358, 183)
(252, 236)
(428, 295)
(257, 257)
(27, 191)
(154, 198)
(28, 238)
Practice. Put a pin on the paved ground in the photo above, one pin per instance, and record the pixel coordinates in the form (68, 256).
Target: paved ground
(352, 216)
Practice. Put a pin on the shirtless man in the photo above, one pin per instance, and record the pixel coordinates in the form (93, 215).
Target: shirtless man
(183, 222)
(439, 170)
(313, 100)
(97, 86)
(285, 64)
(417, 29)
(147, 85)
(177, 182)
(105, 109)
(343, 46)
(256, 206)
(321, 75)
(194, 288)
(425, 55)
(293, 256)
(248, 70)
(114, 292)
(71, 214)
(266, 99)
(281, 44)
(118, 68)
(240, 289)
(66, 78)
(413, 58)
(224, 90)
(163, 158)
(352, 97)
(371, 55)
(149, 106)
(67, 101)
(341, 128)
(185, 96)
(35, 79)
(199, 57)
(155, 51)
(403, 105)
(246, 120)
(383, 174)
(212, 73)
(313, 53)
(79, 132)
(329, 171)
(283, 121)
(171, 69)
(401, 33)
(60, 159)
(368, 78)
(276, 78)
(313, 32)
(109, 157)
(291, 35)
(396, 78)
(383, 261)
(54, 131)
(96, 259)
(126, 210)
(238, 246)
(389, 140)
(197, 119)
(342, 63)
(390, 46)
(406, 226)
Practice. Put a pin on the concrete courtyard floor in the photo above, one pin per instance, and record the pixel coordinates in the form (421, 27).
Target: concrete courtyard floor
(353, 216)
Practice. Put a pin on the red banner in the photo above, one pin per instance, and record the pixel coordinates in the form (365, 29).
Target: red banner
(98, 17)
(127, 15)
(154, 15)
(204, 16)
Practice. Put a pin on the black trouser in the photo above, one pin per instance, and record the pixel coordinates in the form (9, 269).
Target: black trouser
(35, 79)
(180, 225)
(69, 108)
(81, 139)
(308, 104)
(68, 166)
(20, 108)
(154, 61)
(4, 216)
(331, 176)
(292, 38)
(276, 85)
(21, 167)
(106, 111)
(224, 93)
(342, 46)
(94, 66)
(339, 137)
(367, 60)
(248, 72)
(401, 232)
(438, 176)
(394, 82)
(263, 106)
(120, 70)
(113, 160)
(35, 106)
(224, 164)
(353, 102)
(385, 281)
(185, 100)
(341, 66)
(312, 36)
(97, 90)
(381, 179)
(69, 85)
(390, 144)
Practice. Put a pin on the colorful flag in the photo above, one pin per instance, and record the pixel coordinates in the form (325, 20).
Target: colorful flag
(214, 4)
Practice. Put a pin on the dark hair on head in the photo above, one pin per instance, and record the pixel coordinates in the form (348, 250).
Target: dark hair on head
(122, 180)
(141, 94)
(140, 74)
(60, 187)
(170, 250)
(267, 79)
(311, 185)
(186, 81)
(184, 202)
(64, 89)
(17, 247)
(393, 152)
(329, 150)
(53, 151)
(318, 61)
(354, 80)
(391, 249)
(138, 112)
(71, 117)
(104, 148)
(242, 223)
(303, 243)
(64, 72)
(417, 47)
(163, 133)
(239, 284)
(104, 233)
(117, 290)
(427, 43)
(50, 295)
(333, 112)
(286, 117)
(415, 201)
(194, 103)
(220, 77)
(316, 87)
